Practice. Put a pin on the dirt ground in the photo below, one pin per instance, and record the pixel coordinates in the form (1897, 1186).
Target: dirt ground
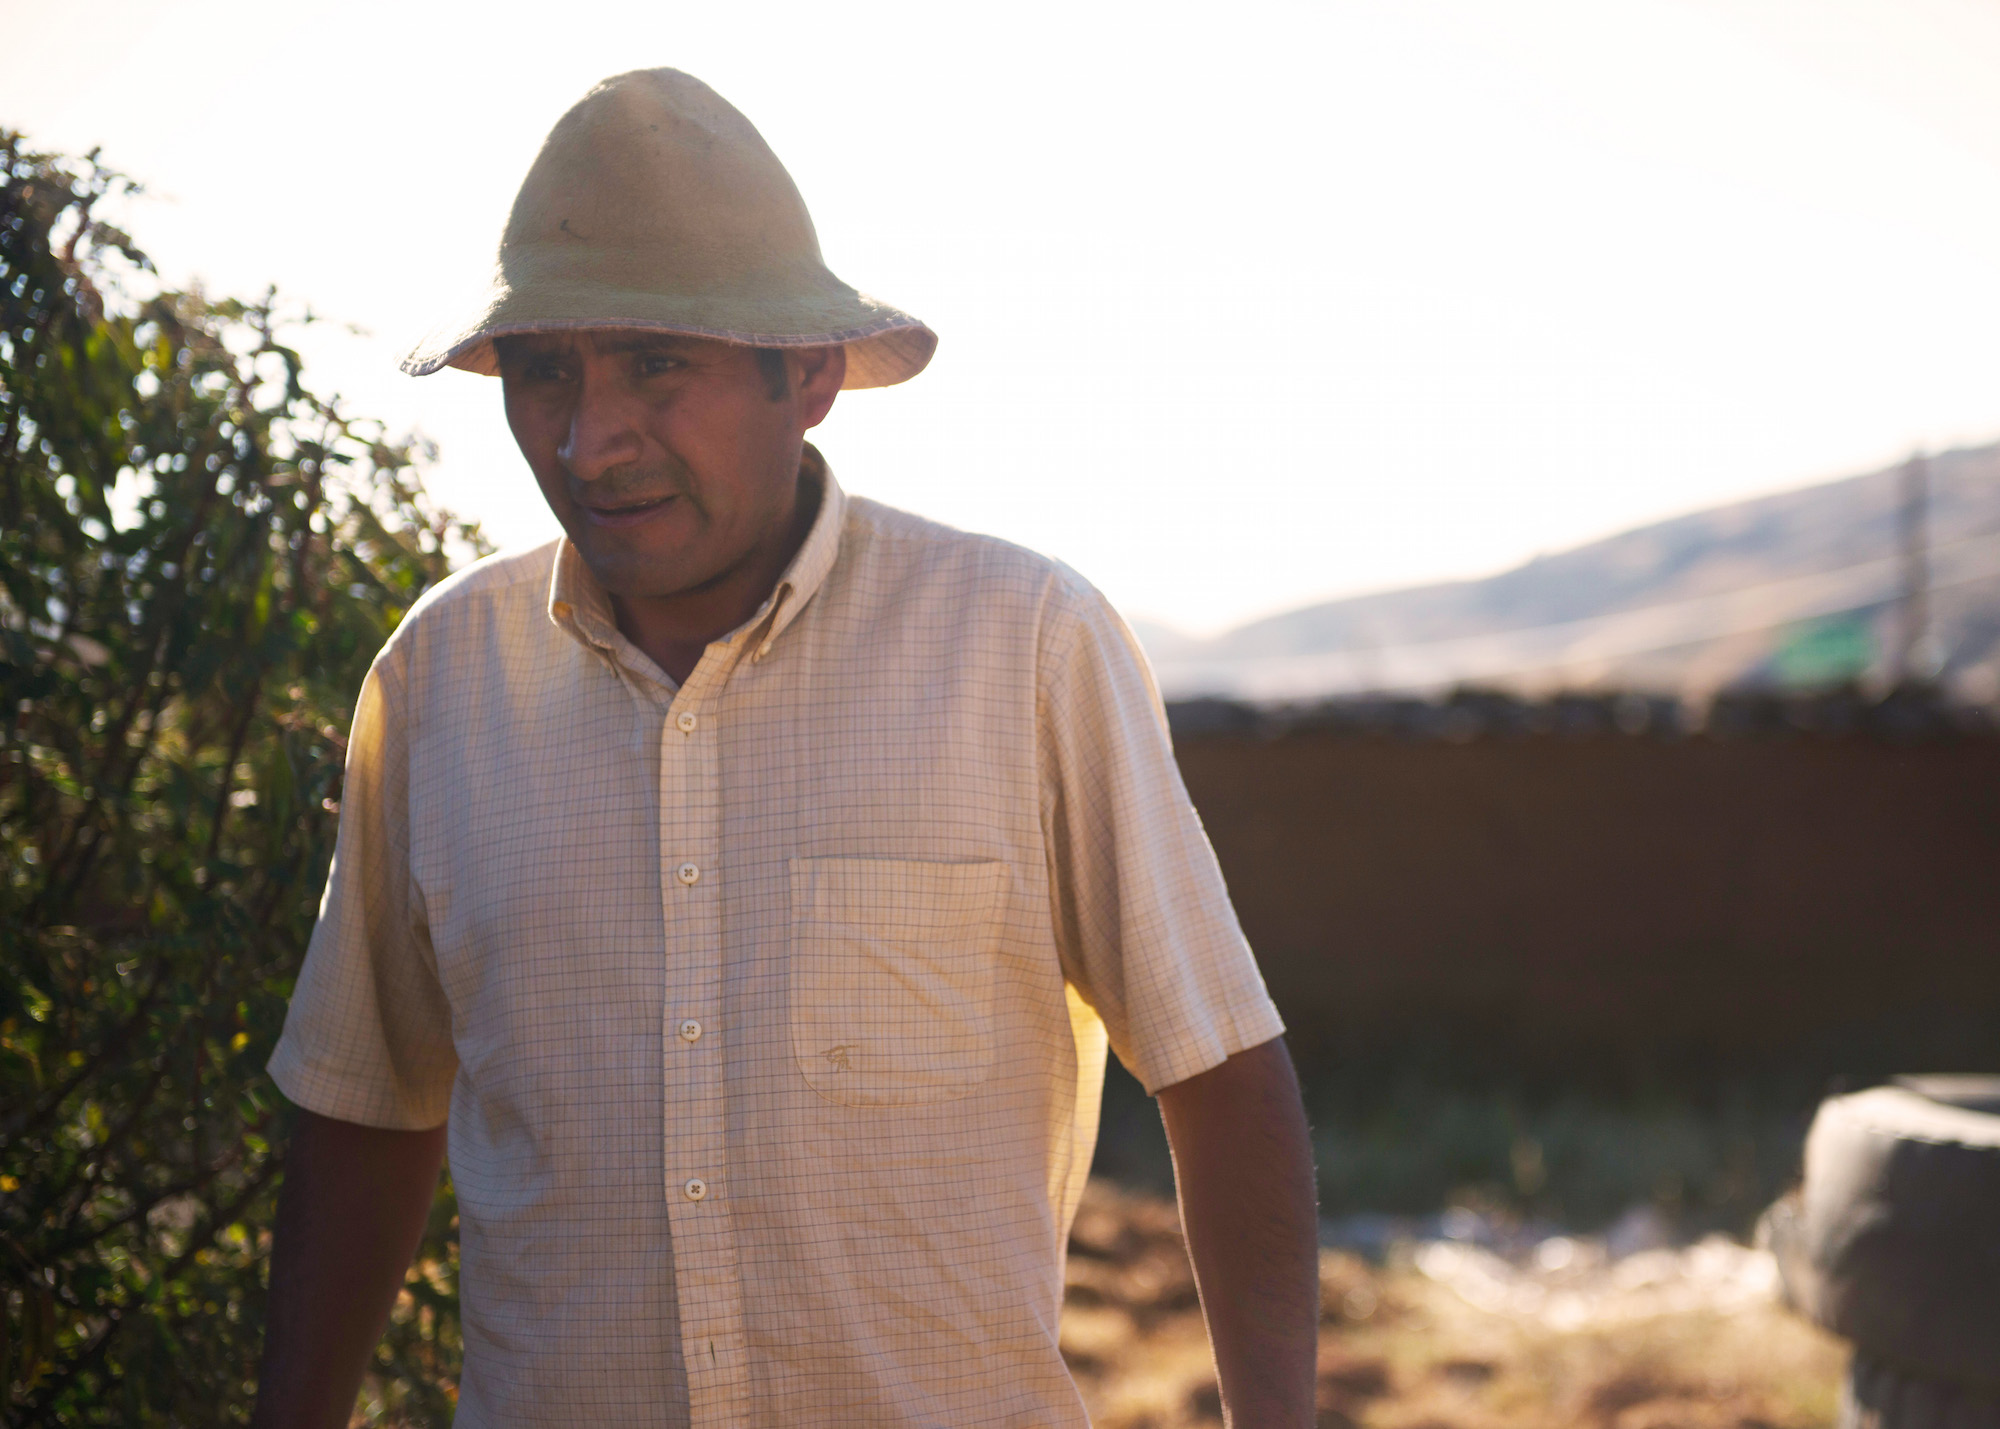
(1685, 1340)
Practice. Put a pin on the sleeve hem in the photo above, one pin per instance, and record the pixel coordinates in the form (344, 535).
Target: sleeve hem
(1253, 1031)
(331, 1095)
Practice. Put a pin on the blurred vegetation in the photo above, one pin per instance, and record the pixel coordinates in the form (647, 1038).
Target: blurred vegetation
(1576, 1159)
(198, 560)
(1405, 1137)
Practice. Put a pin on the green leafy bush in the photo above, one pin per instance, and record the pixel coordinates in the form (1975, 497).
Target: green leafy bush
(198, 559)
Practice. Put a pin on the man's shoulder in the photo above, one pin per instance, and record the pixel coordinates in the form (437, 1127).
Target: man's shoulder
(899, 548)
(509, 583)
(987, 600)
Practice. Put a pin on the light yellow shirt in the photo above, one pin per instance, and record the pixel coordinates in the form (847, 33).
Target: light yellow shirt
(769, 1011)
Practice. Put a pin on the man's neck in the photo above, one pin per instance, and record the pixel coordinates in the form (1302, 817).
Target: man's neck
(674, 630)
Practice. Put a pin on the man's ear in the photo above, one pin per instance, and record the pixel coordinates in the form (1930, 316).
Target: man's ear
(816, 373)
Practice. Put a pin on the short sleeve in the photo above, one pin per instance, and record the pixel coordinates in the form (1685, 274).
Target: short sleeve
(1143, 923)
(368, 1036)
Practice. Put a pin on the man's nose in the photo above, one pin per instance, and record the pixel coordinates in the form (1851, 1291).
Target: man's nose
(604, 432)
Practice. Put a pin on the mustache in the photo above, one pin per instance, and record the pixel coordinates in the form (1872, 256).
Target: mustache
(634, 484)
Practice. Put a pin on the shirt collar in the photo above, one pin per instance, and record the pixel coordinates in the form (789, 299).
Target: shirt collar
(810, 567)
(579, 607)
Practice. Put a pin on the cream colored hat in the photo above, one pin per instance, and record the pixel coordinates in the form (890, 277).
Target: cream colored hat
(655, 204)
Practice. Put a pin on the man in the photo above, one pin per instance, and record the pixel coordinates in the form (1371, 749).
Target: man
(751, 881)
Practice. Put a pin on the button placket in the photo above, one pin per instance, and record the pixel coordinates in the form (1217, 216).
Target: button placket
(695, 1167)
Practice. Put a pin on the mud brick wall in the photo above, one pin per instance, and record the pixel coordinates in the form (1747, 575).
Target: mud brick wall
(1653, 906)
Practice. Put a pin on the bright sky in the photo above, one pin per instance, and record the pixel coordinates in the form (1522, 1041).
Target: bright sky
(1242, 306)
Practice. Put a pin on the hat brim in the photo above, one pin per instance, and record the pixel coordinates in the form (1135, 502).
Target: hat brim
(891, 348)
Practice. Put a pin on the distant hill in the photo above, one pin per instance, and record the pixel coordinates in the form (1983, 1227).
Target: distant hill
(1793, 590)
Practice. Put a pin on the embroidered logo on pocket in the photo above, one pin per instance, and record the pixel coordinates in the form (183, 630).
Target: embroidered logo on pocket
(892, 965)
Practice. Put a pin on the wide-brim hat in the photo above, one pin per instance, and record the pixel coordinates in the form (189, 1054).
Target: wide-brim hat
(654, 204)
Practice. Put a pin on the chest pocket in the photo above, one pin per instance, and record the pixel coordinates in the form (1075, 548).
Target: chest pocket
(892, 966)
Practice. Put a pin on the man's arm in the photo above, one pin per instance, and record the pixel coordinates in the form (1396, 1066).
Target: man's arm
(349, 1218)
(1243, 1166)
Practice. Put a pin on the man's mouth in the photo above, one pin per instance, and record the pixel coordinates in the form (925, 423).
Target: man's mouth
(627, 515)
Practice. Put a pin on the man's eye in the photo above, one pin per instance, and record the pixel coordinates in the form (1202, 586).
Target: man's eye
(658, 364)
(543, 369)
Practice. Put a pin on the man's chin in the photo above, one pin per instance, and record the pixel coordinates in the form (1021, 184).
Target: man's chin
(636, 568)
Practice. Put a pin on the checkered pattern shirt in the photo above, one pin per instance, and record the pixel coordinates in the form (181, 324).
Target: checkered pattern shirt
(768, 1011)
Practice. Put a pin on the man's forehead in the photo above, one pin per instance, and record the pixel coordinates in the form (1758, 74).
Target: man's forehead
(610, 340)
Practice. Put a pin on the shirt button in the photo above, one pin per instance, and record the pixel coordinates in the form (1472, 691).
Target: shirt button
(696, 1188)
(685, 721)
(690, 1031)
(687, 873)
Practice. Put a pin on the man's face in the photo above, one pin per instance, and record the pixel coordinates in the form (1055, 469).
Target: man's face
(668, 460)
